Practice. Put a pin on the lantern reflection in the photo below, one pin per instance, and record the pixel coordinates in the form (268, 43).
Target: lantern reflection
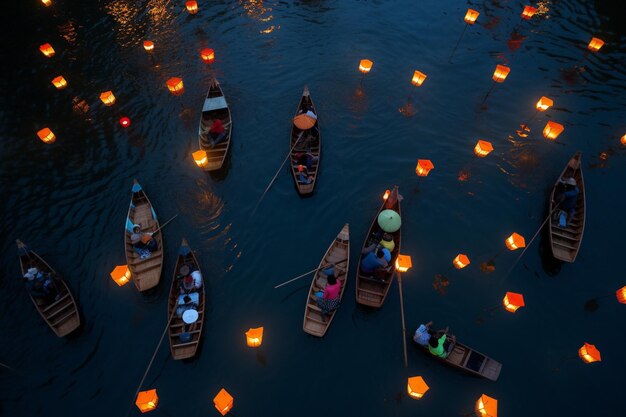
(483, 148)
(553, 130)
(500, 74)
(46, 135)
(365, 66)
(423, 167)
(147, 400)
(588, 353)
(47, 50)
(461, 261)
(417, 387)
(59, 82)
(595, 44)
(223, 401)
(512, 301)
(471, 16)
(515, 241)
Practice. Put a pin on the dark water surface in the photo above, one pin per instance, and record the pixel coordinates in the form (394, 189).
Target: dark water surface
(69, 200)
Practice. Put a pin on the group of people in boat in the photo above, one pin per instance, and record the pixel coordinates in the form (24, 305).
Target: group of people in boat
(327, 298)
(566, 199)
(189, 279)
(439, 343)
(377, 255)
(41, 285)
(303, 157)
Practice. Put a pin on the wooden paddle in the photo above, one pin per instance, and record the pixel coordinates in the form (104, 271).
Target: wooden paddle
(309, 272)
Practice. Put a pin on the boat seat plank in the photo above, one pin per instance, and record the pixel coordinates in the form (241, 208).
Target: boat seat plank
(56, 303)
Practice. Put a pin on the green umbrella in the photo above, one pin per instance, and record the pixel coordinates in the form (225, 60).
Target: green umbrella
(389, 221)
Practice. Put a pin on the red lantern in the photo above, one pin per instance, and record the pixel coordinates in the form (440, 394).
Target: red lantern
(461, 261)
(192, 6)
(483, 148)
(471, 16)
(588, 353)
(500, 74)
(47, 50)
(423, 167)
(59, 82)
(623, 140)
(553, 130)
(107, 98)
(515, 241)
(595, 44)
(621, 295)
(528, 12)
(365, 66)
(207, 55)
(176, 86)
(46, 135)
(512, 301)
(125, 121)
(148, 46)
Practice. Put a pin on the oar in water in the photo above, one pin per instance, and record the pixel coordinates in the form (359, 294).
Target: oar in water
(308, 273)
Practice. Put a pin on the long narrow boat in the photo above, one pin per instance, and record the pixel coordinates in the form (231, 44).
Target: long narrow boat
(565, 241)
(338, 253)
(61, 314)
(214, 107)
(469, 360)
(184, 349)
(305, 141)
(146, 271)
(372, 290)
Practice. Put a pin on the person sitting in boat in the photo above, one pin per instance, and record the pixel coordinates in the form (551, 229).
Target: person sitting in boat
(328, 300)
(441, 343)
(305, 158)
(303, 176)
(387, 242)
(423, 334)
(143, 241)
(217, 133)
(41, 286)
(197, 279)
(374, 260)
(566, 198)
(187, 302)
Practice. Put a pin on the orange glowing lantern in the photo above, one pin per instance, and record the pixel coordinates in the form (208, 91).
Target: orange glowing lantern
(515, 241)
(595, 44)
(623, 140)
(423, 167)
(403, 263)
(223, 402)
(461, 261)
(365, 66)
(207, 55)
(147, 400)
(500, 74)
(200, 157)
(417, 387)
(418, 78)
(483, 148)
(47, 50)
(386, 195)
(192, 6)
(46, 135)
(46, 2)
(471, 16)
(544, 103)
(121, 275)
(59, 82)
(588, 353)
(148, 46)
(254, 337)
(621, 295)
(528, 12)
(176, 86)
(553, 130)
(512, 301)
(486, 406)
(107, 98)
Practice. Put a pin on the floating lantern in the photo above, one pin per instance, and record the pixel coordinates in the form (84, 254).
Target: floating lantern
(486, 406)
(588, 353)
(223, 402)
(200, 157)
(544, 103)
(623, 140)
(403, 263)
(107, 98)
(471, 16)
(46, 2)
(148, 46)
(47, 50)
(59, 82)
(418, 78)
(500, 74)
(124, 121)
(386, 195)
(365, 66)
(595, 44)
(121, 275)
(553, 130)
(423, 167)
(254, 337)
(483, 148)
(621, 295)
(515, 241)
(512, 301)
(417, 387)
(461, 261)
(207, 55)
(528, 12)
(176, 86)
(192, 6)
(147, 400)
(46, 135)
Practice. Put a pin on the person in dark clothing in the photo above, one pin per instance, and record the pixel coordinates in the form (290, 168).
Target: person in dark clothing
(567, 197)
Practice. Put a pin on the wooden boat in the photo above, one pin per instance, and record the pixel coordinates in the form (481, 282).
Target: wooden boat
(180, 349)
(470, 361)
(372, 290)
(338, 253)
(215, 106)
(305, 141)
(565, 241)
(62, 314)
(145, 273)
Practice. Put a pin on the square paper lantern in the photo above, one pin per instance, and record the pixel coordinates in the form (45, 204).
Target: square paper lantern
(403, 263)
(107, 98)
(553, 130)
(418, 78)
(483, 148)
(148, 46)
(528, 12)
(512, 301)
(461, 261)
(192, 6)
(121, 275)
(486, 406)
(176, 86)
(417, 387)
(47, 50)
(207, 55)
(365, 66)
(423, 167)
(588, 353)
(500, 74)
(595, 44)
(254, 337)
(46, 135)
(515, 241)
(544, 103)
(223, 402)
(147, 400)
(471, 16)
